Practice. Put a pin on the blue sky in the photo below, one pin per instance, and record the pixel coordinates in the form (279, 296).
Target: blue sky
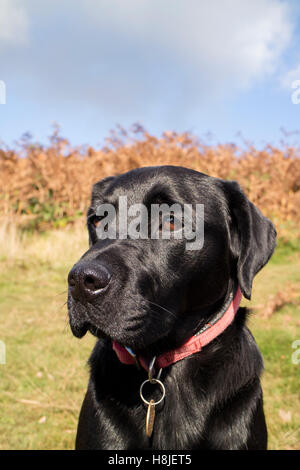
(221, 66)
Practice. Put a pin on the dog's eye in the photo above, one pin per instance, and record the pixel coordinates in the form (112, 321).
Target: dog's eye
(171, 223)
(96, 221)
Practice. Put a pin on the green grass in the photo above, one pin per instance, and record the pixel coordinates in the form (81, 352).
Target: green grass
(45, 376)
(275, 336)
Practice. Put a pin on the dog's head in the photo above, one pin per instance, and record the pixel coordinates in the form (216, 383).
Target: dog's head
(153, 289)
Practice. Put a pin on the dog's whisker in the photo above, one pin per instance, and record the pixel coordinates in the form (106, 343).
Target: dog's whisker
(61, 293)
(163, 308)
(63, 305)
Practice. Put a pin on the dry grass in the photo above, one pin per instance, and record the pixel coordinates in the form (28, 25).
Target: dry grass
(17, 246)
(51, 186)
(287, 294)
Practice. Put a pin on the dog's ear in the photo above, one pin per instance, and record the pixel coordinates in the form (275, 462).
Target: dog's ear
(99, 189)
(252, 236)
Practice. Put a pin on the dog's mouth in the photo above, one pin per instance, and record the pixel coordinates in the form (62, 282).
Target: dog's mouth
(138, 341)
(80, 329)
(140, 330)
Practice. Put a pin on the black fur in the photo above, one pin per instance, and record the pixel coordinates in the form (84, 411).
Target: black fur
(159, 295)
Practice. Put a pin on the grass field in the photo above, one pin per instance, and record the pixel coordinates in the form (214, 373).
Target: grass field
(45, 375)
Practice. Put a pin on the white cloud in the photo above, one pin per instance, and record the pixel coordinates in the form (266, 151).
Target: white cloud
(13, 23)
(162, 58)
(224, 40)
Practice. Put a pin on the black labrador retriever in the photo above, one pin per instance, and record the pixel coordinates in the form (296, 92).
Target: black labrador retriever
(175, 366)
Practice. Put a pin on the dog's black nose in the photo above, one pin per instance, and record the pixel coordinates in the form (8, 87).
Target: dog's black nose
(87, 280)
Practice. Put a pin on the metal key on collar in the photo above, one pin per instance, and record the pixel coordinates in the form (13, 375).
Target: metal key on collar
(151, 404)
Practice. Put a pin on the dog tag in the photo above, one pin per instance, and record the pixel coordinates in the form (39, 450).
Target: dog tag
(150, 418)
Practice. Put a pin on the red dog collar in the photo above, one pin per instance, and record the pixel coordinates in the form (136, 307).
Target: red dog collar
(207, 334)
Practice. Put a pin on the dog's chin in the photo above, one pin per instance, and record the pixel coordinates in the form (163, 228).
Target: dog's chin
(140, 343)
(134, 341)
(137, 341)
(139, 338)
(96, 331)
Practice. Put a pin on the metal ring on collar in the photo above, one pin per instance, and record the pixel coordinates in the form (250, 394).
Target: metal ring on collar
(162, 387)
